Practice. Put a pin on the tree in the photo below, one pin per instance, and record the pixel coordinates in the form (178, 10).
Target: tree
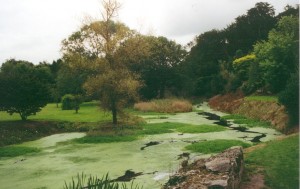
(203, 65)
(289, 97)
(98, 42)
(157, 61)
(250, 28)
(279, 55)
(24, 88)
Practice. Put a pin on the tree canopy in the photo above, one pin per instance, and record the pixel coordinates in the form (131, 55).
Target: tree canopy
(24, 88)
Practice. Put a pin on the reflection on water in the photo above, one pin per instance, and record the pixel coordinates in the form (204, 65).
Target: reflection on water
(58, 162)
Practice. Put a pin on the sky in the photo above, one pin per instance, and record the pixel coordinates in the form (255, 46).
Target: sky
(32, 30)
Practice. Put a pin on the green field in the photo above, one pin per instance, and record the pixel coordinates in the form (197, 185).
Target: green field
(280, 162)
(88, 112)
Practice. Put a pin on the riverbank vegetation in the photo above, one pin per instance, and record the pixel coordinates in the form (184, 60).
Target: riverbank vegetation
(164, 106)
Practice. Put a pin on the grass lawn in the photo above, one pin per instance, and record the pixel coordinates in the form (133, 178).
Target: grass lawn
(280, 162)
(88, 112)
(215, 146)
(262, 98)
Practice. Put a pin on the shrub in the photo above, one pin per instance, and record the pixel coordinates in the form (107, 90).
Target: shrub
(71, 102)
(67, 102)
(289, 97)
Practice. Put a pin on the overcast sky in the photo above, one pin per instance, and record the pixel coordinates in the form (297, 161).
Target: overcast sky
(32, 30)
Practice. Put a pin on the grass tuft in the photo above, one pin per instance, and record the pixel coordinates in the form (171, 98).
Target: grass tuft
(82, 181)
(239, 119)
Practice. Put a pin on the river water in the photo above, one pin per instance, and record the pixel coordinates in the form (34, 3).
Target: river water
(59, 162)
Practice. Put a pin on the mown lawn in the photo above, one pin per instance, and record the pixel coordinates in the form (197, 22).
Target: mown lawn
(280, 162)
(88, 112)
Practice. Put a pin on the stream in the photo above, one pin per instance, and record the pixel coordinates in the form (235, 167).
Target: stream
(149, 160)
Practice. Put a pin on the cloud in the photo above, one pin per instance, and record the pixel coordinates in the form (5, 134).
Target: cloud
(33, 29)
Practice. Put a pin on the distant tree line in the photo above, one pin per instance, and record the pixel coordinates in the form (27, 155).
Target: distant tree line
(106, 60)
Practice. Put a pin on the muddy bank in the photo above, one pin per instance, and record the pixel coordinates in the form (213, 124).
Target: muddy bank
(234, 103)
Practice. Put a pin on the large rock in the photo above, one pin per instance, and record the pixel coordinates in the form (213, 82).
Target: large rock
(222, 171)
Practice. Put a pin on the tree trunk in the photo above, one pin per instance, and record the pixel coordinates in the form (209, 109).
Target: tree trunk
(114, 114)
(23, 117)
(162, 91)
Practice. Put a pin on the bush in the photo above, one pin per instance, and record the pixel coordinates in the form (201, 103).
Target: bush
(71, 102)
(289, 97)
(67, 102)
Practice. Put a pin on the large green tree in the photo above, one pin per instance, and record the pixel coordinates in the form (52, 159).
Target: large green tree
(157, 63)
(202, 63)
(97, 44)
(24, 88)
(279, 55)
(250, 28)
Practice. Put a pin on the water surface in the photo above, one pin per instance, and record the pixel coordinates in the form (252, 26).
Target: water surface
(58, 162)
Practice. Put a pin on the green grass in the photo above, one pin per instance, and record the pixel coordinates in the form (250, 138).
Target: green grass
(127, 135)
(262, 98)
(167, 127)
(88, 112)
(160, 128)
(239, 119)
(280, 161)
(106, 139)
(215, 146)
(201, 129)
(13, 151)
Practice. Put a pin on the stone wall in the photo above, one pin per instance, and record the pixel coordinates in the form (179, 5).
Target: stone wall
(222, 171)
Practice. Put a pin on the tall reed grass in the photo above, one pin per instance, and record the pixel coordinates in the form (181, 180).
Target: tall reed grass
(164, 106)
(93, 182)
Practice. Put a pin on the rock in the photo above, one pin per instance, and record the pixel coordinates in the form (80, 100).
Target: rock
(223, 171)
(218, 184)
(220, 165)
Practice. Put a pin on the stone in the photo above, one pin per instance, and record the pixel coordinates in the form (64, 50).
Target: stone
(222, 171)
(218, 184)
(220, 165)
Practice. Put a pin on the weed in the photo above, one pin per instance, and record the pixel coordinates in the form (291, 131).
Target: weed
(93, 182)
